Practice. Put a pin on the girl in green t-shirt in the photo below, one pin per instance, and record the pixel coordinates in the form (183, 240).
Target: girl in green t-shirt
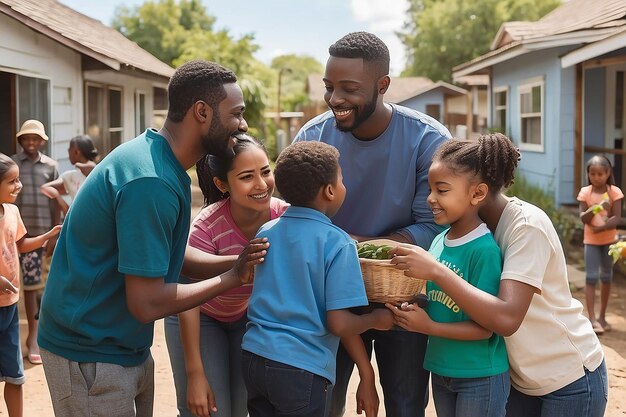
(469, 365)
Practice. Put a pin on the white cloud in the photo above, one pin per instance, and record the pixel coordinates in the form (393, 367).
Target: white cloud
(384, 18)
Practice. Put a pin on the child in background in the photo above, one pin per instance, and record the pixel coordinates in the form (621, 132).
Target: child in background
(302, 292)
(601, 212)
(12, 242)
(39, 215)
(82, 153)
(237, 191)
(468, 363)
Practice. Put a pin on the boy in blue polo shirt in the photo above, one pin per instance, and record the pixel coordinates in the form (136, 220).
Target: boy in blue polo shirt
(298, 308)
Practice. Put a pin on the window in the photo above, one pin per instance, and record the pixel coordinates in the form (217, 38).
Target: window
(531, 116)
(160, 105)
(104, 116)
(140, 112)
(500, 100)
(33, 102)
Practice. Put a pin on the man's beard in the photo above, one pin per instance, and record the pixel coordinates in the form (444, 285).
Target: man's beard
(218, 139)
(361, 115)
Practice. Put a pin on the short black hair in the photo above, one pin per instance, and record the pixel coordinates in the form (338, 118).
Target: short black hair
(303, 168)
(194, 81)
(363, 45)
(492, 157)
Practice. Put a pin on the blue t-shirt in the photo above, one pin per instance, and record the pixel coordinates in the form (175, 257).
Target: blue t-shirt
(386, 178)
(131, 217)
(311, 267)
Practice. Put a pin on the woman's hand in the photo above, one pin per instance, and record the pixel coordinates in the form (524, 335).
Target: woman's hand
(200, 398)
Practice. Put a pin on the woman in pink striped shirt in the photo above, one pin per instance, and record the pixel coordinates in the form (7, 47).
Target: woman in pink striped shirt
(205, 343)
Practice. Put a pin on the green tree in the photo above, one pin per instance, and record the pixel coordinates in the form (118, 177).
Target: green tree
(440, 34)
(179, 31)
(295, 71)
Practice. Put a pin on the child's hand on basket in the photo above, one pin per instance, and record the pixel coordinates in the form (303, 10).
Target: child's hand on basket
(411, 317)
(251, 255)
(414, 261)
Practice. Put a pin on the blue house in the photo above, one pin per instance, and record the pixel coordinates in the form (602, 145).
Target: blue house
(557, 88)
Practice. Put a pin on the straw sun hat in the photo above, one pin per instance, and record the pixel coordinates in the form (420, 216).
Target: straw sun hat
(33, 127)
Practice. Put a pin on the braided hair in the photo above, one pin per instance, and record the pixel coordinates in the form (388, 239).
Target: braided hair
(493, 158)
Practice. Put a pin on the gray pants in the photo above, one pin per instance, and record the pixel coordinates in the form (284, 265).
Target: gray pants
(99, 389)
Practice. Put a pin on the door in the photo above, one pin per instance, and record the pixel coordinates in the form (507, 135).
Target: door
(616, 118)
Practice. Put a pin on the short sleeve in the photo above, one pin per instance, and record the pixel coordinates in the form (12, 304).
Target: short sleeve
(583, 194)
(486, 269)
(527, 255)
(615, 193)
(20, 229)
(344, 282)
(146, 213)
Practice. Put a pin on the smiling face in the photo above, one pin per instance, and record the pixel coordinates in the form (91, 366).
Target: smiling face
(250, 182)
(351, 92)
(31, 144)
(454, 198)
(10, 185)
(227, 121)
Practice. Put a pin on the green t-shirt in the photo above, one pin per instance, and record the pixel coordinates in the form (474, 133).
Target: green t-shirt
(130, 217)
(476, 259)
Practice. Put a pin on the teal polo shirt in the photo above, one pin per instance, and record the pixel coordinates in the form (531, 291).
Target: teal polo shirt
(131, 216)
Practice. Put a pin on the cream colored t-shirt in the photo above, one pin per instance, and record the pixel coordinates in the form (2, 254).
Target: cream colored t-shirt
(555, 342)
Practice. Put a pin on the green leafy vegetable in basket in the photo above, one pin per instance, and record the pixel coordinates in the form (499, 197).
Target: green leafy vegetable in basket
(372, 251)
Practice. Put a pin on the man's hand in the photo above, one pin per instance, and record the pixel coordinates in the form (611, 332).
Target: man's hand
(253, 254)
(411, 317)
(6, 287)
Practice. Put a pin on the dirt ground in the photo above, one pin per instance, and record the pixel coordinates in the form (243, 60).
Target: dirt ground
(37, 398)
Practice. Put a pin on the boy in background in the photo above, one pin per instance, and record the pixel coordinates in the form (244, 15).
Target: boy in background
(298, 310)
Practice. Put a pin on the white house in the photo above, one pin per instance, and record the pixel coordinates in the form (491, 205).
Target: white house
(76, 75)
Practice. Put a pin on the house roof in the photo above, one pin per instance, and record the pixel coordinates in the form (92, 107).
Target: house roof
(400, 89)
(84, 35)
(574, 22)
(447, 88)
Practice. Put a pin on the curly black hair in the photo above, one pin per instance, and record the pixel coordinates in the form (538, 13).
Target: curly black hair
(194, 81)
(363, 45)
(492, 157)
(303, 168)
(218, 166)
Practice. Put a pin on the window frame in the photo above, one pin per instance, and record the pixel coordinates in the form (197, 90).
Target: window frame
(505, 107)
(526, 88)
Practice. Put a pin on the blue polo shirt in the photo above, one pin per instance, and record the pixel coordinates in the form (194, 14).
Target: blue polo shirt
(386, 178)
(131, 217)
(310, 268)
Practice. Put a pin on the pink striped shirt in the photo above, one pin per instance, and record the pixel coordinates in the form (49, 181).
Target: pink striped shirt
(214, 231)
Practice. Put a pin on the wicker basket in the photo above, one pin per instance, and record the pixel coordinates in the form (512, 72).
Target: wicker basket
(386, 284)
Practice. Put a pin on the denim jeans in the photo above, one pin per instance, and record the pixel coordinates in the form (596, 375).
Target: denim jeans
(220, 349)
(471, 397)
(276, 389)
(585, 397)
(400, 358)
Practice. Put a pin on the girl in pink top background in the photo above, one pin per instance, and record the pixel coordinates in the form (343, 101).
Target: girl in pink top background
(204, 343)
(601, 212)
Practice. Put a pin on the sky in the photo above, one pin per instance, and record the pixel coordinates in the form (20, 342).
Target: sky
(303, 27)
